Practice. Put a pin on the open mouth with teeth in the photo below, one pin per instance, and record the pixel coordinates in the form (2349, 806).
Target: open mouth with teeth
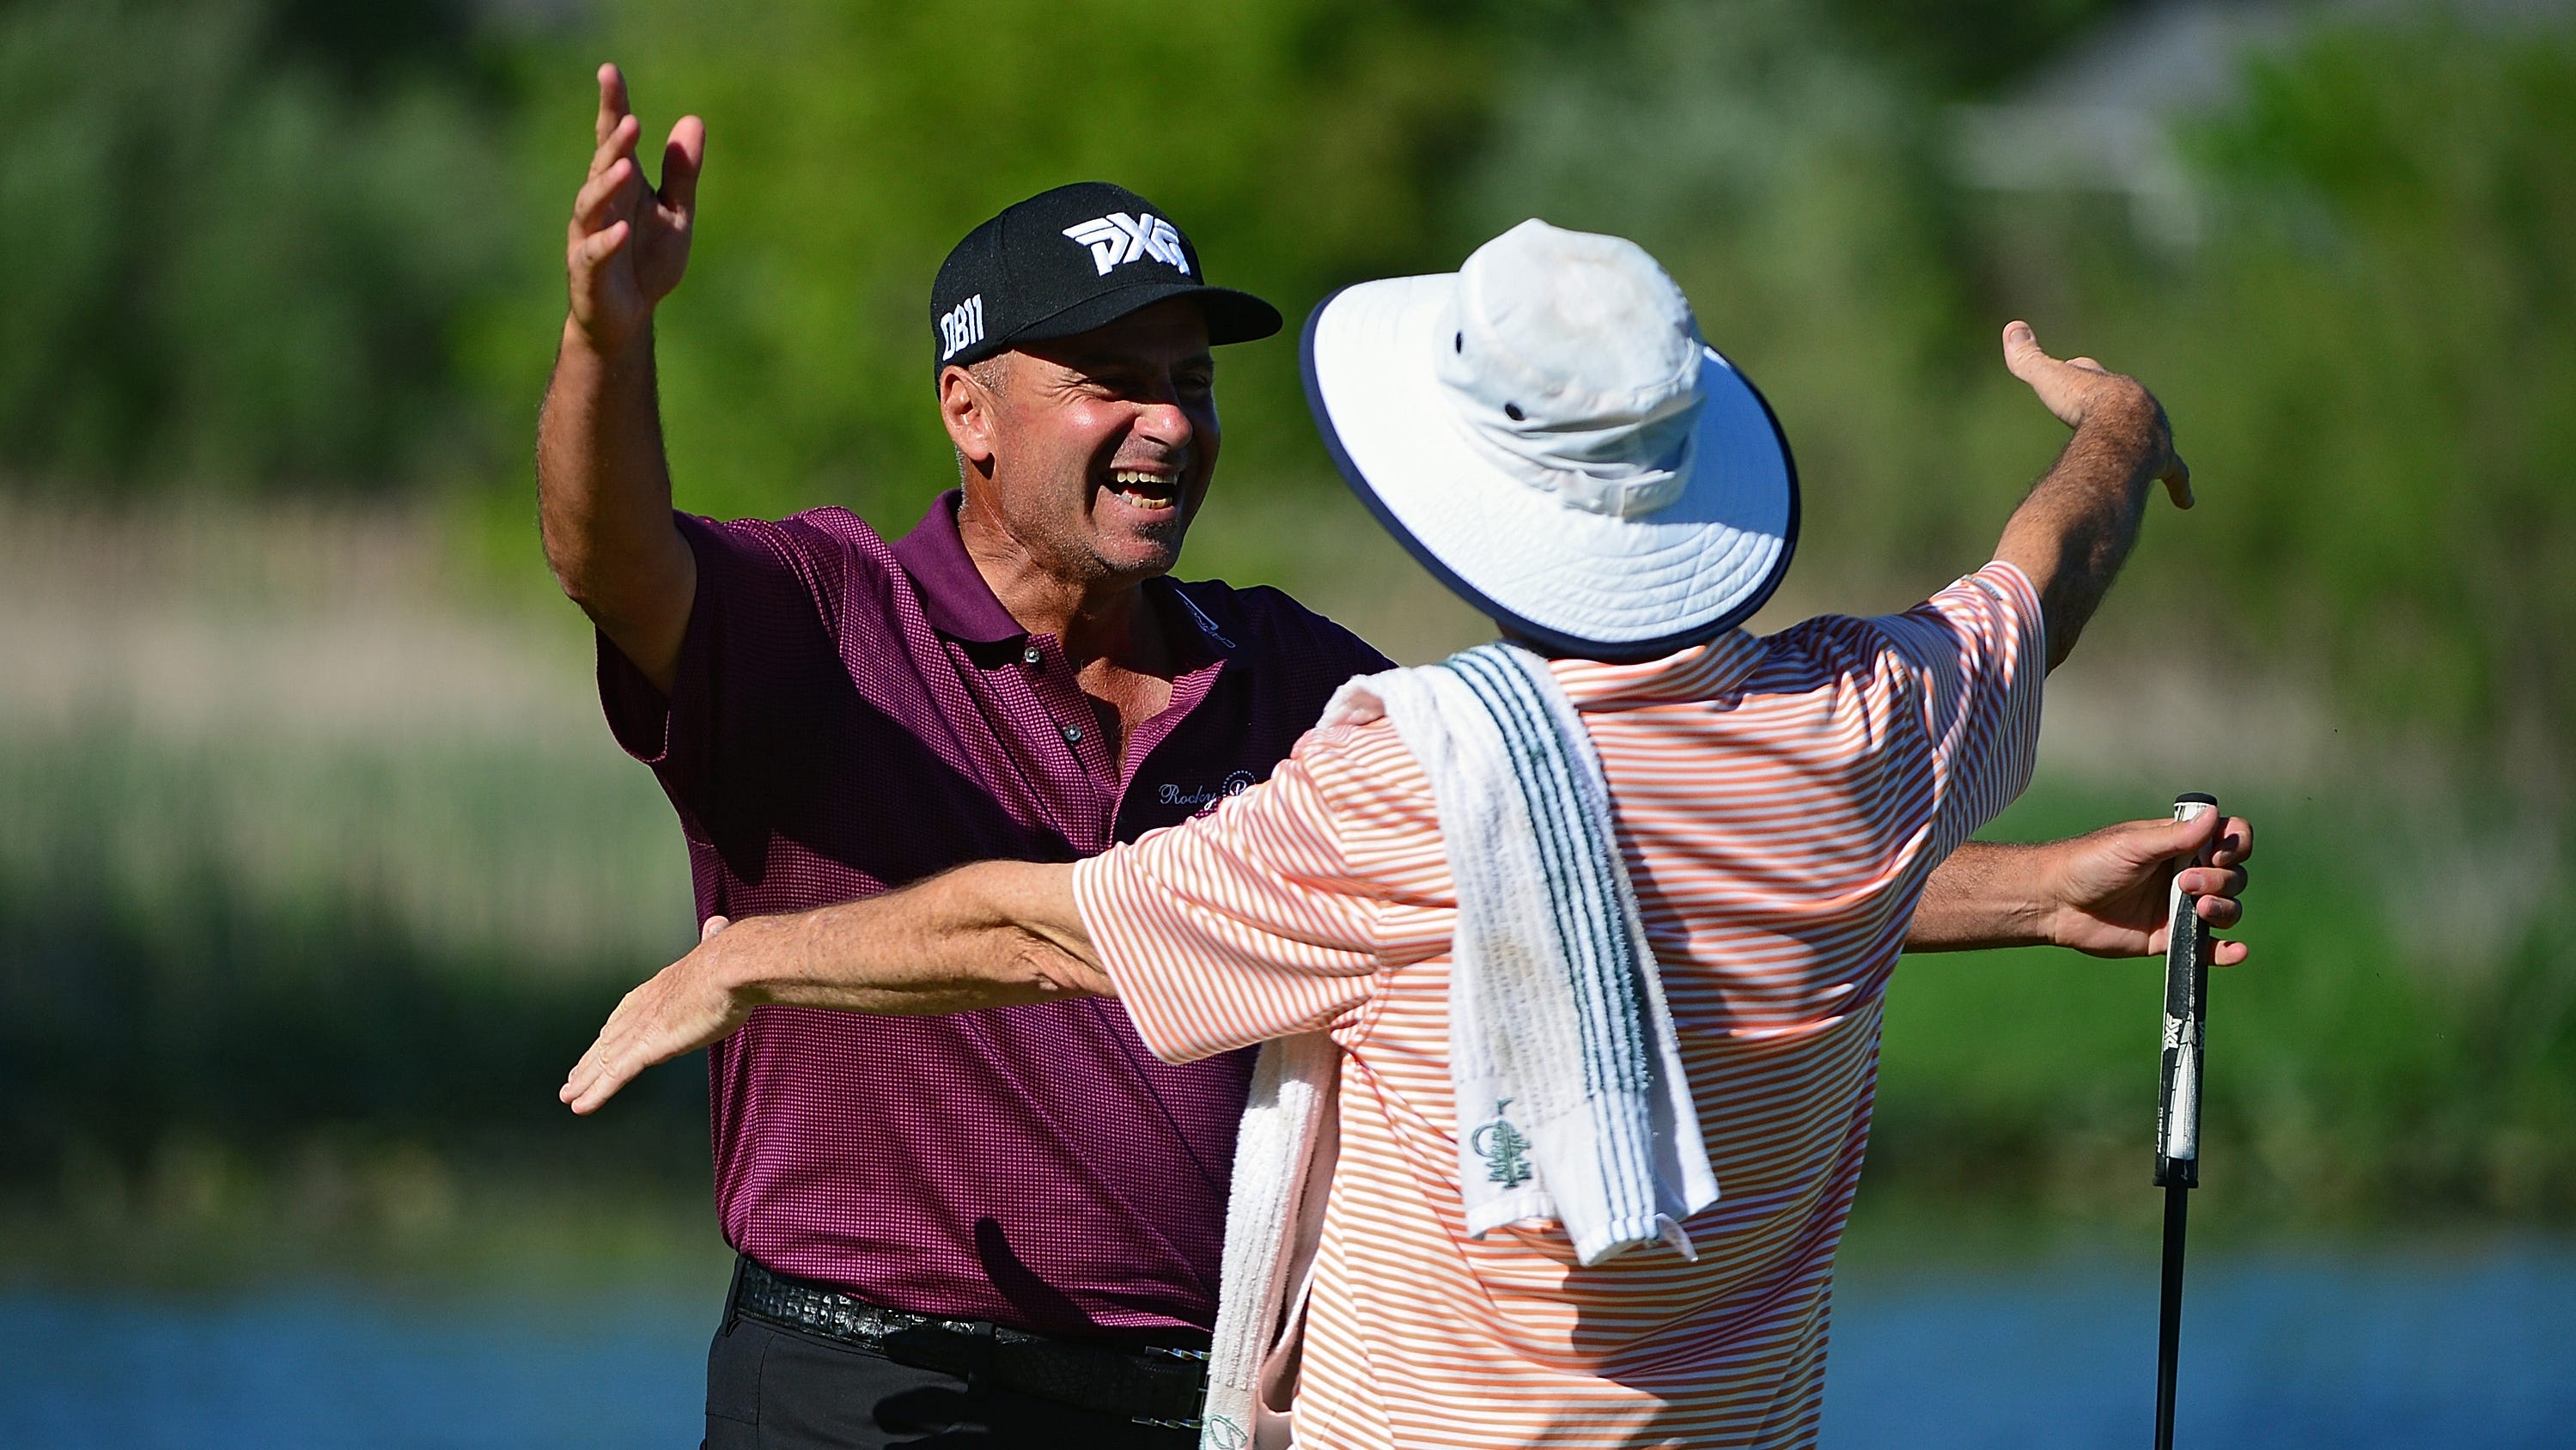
(1145, 491)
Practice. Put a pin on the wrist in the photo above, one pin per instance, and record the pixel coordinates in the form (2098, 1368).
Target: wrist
(607, 348)
(2123, 415)
(742, 962)
(2027, 912)
(1988, 895)
(2045, 926)
(2117, 401)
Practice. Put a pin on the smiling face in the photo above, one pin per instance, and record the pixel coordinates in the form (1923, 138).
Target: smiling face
(1092, 452)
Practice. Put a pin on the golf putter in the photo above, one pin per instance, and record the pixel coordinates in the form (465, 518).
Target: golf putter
(2178, 1104)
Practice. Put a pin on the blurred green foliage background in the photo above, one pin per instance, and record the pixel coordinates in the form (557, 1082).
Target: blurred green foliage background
(281, 281)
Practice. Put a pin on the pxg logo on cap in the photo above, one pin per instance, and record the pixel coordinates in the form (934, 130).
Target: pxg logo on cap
(1117, 239)
(1070, 260)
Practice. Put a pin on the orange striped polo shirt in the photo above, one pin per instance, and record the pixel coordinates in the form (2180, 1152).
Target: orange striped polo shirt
(1779, 802)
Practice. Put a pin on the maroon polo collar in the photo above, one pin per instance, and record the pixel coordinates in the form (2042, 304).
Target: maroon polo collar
(960, 605)
(953, 593)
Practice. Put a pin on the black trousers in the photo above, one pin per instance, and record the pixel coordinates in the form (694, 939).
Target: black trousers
(772, 1388)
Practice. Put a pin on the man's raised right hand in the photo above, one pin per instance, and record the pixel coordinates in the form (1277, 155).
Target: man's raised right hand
(2076, 388)
(628, 244)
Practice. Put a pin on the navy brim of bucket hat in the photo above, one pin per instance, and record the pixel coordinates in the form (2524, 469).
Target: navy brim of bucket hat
(1575, 583)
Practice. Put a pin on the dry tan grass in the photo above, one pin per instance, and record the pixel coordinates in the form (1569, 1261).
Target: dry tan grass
(206, 623)
(353, 626)
(312, 709)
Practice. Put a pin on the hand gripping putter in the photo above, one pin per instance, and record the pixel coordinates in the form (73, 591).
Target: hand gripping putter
(2187, 953)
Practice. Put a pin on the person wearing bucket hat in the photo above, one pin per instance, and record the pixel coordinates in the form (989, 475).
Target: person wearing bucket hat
(1546, 430)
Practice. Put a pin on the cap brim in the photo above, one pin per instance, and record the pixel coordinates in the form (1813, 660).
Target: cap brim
(1231, 316)
(1580, 583)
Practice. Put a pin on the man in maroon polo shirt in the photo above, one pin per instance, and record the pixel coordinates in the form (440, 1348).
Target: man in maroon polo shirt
(1001, 1226)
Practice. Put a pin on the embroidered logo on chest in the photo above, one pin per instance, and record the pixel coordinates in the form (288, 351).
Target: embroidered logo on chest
(1204, 797)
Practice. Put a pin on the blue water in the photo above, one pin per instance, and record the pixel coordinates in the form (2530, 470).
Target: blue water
(2352, 1351)
(321, 1369)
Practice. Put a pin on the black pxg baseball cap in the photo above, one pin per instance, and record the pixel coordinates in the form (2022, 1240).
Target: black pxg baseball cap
(1067, 261)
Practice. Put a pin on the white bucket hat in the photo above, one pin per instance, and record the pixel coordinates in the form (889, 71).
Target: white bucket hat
(1546, 432)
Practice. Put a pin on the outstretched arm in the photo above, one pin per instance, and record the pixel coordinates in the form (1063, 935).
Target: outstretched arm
(1002, 933)
(996, 934)
(2102, 893)
(603, 488)
(2075, 530)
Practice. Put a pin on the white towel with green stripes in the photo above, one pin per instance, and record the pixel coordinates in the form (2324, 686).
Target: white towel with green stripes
(1571, 1101)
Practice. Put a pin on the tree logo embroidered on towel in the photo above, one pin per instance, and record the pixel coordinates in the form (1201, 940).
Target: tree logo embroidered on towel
(1505, 1151)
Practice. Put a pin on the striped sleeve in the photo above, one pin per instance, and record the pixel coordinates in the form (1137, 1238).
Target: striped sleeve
(1235, 927)
(1978, 652)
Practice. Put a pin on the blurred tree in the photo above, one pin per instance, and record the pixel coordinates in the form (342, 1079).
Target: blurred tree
(366, 42)
(223, 266)
(2381, 347)
(265, 221)
(1970, 46)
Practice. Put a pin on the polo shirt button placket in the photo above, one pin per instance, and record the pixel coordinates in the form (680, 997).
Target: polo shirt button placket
(1066, 706)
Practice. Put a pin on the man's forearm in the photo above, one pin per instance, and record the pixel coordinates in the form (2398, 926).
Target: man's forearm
(991, 935)
(604, 500)
(2075, 530)
(1983, 896)
(995, 935)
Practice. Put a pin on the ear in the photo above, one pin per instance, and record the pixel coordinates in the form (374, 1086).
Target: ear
(967, 407)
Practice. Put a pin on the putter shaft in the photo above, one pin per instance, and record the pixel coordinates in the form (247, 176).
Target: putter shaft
(2178, 1108)
(2169, 1311)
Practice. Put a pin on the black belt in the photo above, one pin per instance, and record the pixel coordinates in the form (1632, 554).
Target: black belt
(1148, 1384)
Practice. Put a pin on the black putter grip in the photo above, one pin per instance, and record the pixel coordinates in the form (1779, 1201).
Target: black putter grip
(2186, 1011)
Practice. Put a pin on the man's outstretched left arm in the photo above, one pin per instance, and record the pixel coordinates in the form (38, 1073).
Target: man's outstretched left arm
(996, 934)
